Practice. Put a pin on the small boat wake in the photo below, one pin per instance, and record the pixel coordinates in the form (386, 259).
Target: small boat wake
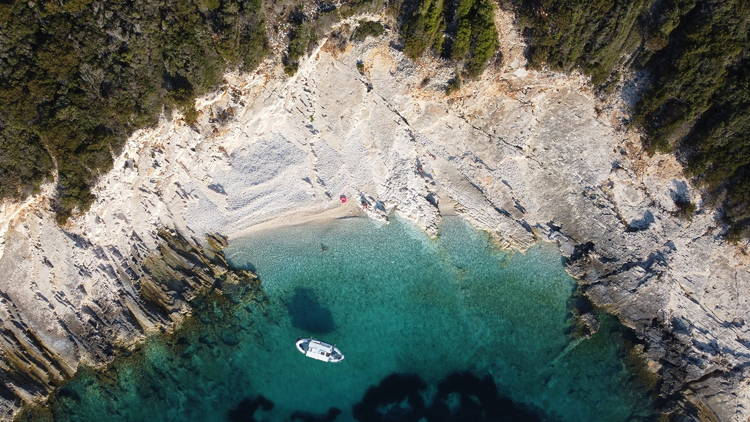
(319, 350)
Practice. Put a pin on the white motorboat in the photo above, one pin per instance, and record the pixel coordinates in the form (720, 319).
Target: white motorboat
(319, 350)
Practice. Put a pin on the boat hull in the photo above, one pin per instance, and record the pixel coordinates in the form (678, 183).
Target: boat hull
(318, 350)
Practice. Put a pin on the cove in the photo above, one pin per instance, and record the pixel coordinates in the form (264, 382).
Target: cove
(433, 329)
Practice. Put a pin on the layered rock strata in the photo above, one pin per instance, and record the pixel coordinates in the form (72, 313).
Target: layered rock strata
(526, 155)
(149, 290)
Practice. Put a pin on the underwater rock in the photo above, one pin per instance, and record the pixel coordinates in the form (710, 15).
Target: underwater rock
(478, 400)
(329, 416)
(587, 325)
(398, 397)
(157, 289)
(245, 410)
(460, 396)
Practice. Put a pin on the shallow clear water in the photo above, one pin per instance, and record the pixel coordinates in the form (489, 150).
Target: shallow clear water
(395, 302)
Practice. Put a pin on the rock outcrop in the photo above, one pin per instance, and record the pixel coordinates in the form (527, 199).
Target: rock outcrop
(529, 156)
(113, 306)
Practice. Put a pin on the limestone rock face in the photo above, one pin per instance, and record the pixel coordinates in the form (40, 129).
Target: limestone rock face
(529, 156)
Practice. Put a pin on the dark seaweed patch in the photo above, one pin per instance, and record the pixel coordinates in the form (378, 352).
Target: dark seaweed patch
(245, 410)
(478, 400)
(398, 397)
(461, 396)
(329, 416)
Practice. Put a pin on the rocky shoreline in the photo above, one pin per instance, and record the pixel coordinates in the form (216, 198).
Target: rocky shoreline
(525, 155)
(157, 290)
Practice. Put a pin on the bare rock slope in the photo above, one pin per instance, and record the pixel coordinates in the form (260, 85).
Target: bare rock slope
(526, 155)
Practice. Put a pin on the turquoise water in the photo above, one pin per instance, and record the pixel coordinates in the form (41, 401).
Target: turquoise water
(451, 326)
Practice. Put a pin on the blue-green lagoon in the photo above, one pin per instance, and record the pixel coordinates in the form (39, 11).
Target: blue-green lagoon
(433, 329)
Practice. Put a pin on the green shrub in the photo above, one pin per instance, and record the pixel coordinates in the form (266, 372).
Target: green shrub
(483, 37)
(24, 163)
(462, 40)
(462, 30)
(422, 21)
(454, 84)
(685, 209)
(301, 36)
(353, 7)
(366, 29)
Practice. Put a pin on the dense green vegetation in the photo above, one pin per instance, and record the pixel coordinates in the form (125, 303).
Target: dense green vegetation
(366, 28)
(592, 35)
(301, 36)
(308, 26)
(78, 76)
(24, 163)
(461, 30)
(696, 56)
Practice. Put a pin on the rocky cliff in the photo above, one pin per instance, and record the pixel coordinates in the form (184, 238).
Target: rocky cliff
(529, 156)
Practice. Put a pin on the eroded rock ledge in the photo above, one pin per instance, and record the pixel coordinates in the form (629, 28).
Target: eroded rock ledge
(152, 291)
(526, 155)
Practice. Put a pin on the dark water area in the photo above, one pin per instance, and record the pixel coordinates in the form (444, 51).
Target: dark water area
(307, 313)
(447, 329)
(459, 396)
